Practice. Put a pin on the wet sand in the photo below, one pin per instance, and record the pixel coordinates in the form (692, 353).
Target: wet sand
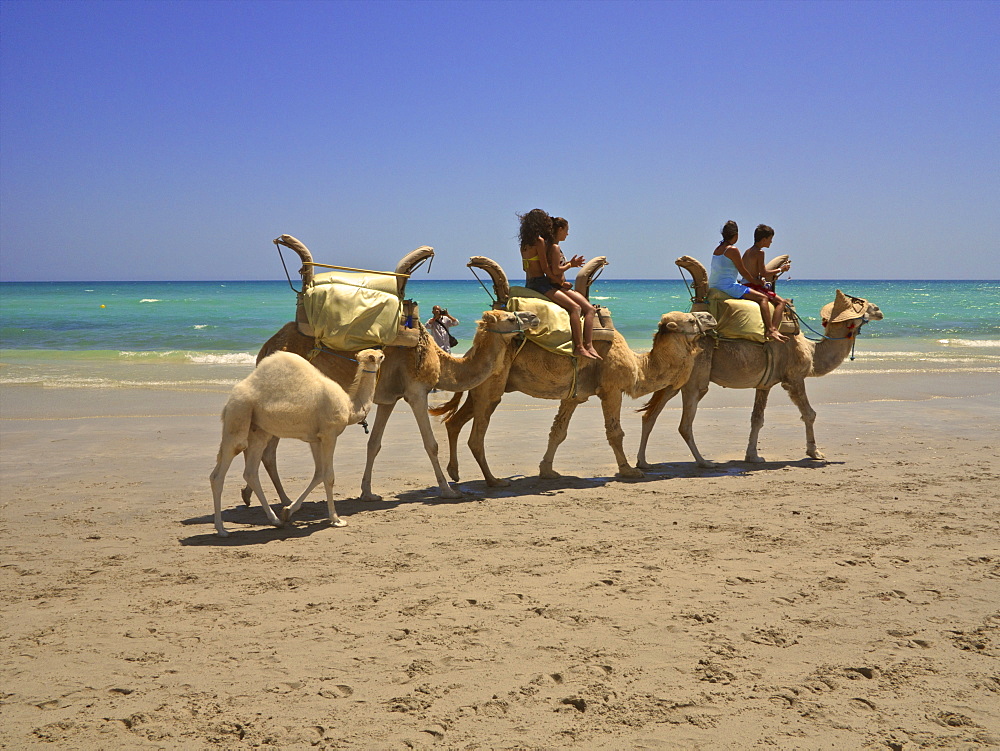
(853, 603)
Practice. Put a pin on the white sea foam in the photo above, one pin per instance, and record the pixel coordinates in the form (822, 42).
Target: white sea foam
(970, 342)
(230, 358)
(200, 326)
(150, 299)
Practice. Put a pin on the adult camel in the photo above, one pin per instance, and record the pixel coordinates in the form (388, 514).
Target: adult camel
(743, 364)
(537, 372)
(408, 372)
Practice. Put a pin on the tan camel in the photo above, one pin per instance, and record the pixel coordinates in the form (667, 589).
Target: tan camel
(743, 364)
(542, 374)
(288, 398)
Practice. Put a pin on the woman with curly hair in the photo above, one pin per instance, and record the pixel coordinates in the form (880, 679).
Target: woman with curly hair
(545, 266)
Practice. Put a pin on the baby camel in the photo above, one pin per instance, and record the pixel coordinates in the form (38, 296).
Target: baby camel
(286, 397)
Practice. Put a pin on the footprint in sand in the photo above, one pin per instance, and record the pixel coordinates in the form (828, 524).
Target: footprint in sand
(338, 691)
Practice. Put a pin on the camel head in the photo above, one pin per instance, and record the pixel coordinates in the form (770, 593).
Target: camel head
(689, 324)
(370, 359)
(505, 322)
(849, 308)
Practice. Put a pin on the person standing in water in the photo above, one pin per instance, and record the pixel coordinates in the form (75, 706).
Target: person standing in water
(545, 267)
(727, 267)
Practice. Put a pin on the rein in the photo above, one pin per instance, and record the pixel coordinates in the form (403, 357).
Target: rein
(852, 335)
(485, 288)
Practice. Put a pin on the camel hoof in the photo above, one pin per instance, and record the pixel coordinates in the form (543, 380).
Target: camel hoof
(247, 495)
(816, 454)
(370, 497)
(706, 464)
(221, 533)
(630, 473)
(286, 514)
(496, 482)
(643, 465)
(451, 493)
(453, 474)
(754, 459)
(338, 523)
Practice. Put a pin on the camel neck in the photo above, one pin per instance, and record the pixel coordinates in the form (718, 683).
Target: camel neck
(463, 373)
(830, 351)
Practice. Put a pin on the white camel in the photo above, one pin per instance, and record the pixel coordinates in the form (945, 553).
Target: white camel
(286, 397)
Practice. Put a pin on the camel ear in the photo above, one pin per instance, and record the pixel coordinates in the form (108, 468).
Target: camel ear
(670, 326)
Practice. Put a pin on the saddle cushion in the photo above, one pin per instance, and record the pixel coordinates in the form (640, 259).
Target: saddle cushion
(554, 333)
(736, 318)
(351, 311)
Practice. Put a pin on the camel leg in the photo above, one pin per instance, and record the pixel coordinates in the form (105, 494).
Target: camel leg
(649, 418)
(756, 423)
(692, 394)
(251, 472)
(227, 452)
(418, 403)
(611, 404)
(477, 438)
(270, 461)
(382, 413)
(797, 393)
(319, 475)
(328, 477)
(454, 425)
(557, 434)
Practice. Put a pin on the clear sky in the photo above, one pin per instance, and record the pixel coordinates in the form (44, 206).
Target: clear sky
(173, 140)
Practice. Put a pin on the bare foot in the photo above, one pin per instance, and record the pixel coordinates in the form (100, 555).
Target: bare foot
(593, 352)
(582, 351)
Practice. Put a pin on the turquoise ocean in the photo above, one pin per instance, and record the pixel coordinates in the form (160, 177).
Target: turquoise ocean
(205, 335)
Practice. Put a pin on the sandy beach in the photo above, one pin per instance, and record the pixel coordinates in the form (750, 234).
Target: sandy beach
(847, 604)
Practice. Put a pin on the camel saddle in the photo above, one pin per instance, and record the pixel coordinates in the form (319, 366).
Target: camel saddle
(736, 318)
(350, 311)
(554, 333)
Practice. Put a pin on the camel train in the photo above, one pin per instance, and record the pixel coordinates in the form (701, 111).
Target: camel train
(538, 371)
(514, 349)
(688, 353)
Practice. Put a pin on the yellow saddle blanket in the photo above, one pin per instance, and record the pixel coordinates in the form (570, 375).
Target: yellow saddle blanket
(741, 319)
(350, 311)
(553, 332)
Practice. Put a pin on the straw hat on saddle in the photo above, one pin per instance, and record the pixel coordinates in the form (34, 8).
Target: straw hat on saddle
(843, 308)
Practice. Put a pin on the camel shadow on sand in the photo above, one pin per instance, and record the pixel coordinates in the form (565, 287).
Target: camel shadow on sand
(311, 518)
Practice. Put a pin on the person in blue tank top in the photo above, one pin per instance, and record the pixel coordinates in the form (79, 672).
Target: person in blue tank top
(727, 268)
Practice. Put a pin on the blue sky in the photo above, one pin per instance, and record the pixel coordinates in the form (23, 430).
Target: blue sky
(174, 140)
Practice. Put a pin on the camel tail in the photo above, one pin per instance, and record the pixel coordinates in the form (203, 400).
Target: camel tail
(447, 409)
(654, 401)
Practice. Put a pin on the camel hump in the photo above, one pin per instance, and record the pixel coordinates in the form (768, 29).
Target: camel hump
(588, 273)
(500, 284)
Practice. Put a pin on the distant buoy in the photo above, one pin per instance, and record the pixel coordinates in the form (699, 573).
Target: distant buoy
(102, 306)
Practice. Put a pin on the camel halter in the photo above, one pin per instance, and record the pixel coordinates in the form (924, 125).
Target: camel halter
(853, 335)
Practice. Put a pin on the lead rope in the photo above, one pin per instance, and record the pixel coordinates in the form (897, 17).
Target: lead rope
(490, 294)
(287, 275)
